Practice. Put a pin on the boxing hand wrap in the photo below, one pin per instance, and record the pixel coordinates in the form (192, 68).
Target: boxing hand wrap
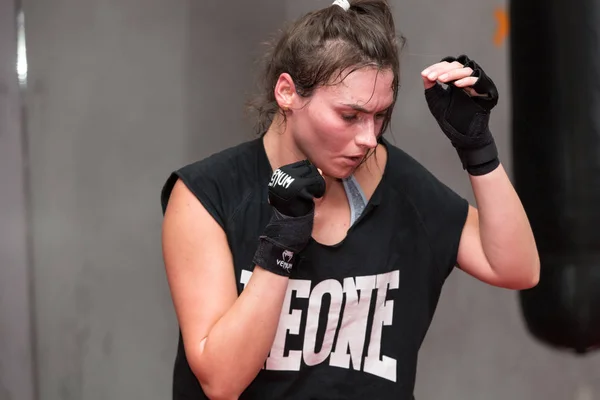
(465, 119)
(291, 192)
(283, 238)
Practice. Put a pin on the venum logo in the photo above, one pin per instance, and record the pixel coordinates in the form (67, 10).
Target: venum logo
(286, 261)
(287, 255)
(280, 178)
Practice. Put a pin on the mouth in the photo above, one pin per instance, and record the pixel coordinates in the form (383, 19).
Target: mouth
(354, 159)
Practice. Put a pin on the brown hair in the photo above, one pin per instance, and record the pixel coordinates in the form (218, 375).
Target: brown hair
(329, 41)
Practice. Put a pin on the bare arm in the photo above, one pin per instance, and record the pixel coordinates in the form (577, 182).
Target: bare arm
(497, 245)
(227, 338)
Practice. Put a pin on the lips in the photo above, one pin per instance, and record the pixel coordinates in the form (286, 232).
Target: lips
(354, 160)
(358, 157)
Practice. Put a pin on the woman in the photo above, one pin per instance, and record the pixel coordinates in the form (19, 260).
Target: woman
(308, 263)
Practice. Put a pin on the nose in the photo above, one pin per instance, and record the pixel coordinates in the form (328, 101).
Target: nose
(367, 136)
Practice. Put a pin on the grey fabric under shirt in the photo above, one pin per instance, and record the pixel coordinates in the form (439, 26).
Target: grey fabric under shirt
(356, 198)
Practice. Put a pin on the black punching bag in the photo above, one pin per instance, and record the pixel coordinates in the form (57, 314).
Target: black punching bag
(555, 82)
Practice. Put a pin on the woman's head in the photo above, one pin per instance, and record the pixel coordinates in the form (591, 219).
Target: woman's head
(332, 79)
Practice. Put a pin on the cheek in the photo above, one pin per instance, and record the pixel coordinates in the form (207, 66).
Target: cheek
(329, 130)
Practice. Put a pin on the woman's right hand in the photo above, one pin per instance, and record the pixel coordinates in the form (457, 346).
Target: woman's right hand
(292, 191)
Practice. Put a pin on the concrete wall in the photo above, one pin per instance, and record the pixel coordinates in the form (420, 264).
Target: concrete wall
(16, 329)
(121, 93)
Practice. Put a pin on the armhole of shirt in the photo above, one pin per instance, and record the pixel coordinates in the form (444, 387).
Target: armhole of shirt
(206, 199)
(456, 233)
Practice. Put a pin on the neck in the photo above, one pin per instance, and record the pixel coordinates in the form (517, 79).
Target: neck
(281, 148)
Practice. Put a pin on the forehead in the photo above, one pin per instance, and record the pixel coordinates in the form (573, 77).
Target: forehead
(365, 86)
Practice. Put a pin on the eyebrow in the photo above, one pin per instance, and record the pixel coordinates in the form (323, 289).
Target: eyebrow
(362, 109)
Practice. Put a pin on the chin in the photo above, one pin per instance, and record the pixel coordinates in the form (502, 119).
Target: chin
(338, 173)
(346, 175)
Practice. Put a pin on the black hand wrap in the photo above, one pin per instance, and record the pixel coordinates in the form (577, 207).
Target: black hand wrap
(291, 192)
(464, 118)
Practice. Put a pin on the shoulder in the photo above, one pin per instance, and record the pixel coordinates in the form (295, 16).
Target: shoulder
(409, 175)
(222, 179)
(226, 165)
(413, 180)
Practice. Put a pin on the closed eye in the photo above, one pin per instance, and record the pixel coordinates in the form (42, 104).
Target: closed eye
(353, 117)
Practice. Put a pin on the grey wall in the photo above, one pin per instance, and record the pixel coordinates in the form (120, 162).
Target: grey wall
(16, 369)
(120, 94)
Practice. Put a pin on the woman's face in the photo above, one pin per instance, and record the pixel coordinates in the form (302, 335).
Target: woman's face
(339, 124)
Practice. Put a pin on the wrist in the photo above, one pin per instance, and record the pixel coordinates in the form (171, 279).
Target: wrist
(283, 238)
(274, 258)
(481, 160)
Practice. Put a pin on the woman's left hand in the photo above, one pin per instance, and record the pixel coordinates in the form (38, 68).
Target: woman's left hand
(450, 72)
(462, 109)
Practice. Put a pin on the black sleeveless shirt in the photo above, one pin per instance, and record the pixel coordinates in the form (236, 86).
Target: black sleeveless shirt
(355, 313)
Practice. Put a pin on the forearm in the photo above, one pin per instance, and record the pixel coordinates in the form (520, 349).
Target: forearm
(505, 232)
(239, 343)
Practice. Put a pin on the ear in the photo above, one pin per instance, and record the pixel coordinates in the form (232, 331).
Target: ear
(285, 91)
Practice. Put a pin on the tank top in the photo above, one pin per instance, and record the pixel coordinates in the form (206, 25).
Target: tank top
(355, 313)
